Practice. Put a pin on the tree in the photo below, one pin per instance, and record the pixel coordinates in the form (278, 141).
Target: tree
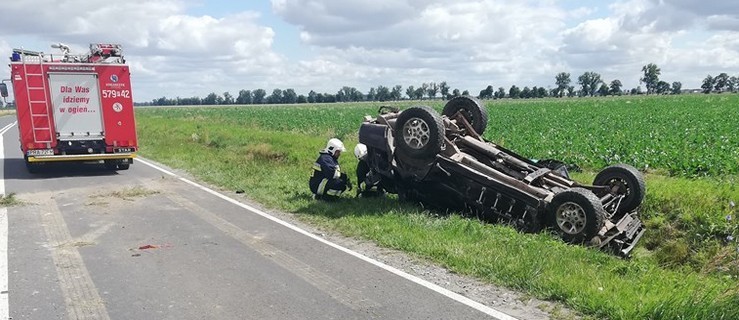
(424, 89)
(259, 95)
(651, 77)
(466, 93)
(500, 94)
(302, 99)
(444, 89)
(662, 87)
(289, 96)
(571, 91)
(603, 90)
(563, 82)
(708, 84)
(276, 96)
(721, 82)
(514, 92)
(487, 93)
(525, 93)
(733, 84)
(456, 92)
(312, 97)
(615, 88)
(410, 92)
(372, 95)
(432, 90)
(357, 95)
(542, 92)
(677, 87)
(589, 83)
(418, 94)
(383, 93)
(396, 94)
(228, 98)
(244, 97)
(211, 99)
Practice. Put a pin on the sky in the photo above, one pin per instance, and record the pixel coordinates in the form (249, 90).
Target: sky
(191, 48)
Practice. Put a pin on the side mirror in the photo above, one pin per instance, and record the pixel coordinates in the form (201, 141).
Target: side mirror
(3, 90)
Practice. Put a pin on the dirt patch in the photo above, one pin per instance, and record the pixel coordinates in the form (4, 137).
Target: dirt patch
(128, 194)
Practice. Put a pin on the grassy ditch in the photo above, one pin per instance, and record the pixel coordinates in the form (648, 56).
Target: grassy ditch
(676, 273)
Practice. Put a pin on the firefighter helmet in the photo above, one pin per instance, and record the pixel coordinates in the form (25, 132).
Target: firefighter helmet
(360, 151)
(334, 145)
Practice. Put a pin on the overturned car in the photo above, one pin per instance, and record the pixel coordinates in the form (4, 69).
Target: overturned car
(442, 161)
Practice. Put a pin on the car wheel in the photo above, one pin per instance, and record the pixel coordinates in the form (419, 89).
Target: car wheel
(622, 180)
(576, 214)
(123, 166)
(472, 109)
(419, 133)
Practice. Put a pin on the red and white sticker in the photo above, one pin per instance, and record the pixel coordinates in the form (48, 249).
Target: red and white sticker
(117, 107)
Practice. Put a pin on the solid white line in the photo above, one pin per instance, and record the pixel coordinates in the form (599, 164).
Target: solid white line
(4, 305)
(450, 294)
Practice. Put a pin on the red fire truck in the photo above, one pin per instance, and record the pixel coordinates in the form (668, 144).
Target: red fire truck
(74, 107)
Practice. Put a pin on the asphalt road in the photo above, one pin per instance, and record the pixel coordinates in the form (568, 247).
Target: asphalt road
(87, 243)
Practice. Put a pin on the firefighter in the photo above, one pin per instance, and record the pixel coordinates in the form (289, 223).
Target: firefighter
(368, 182)
(327, 182)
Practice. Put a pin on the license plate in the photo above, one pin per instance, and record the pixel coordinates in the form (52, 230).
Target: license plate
(124, 150)
(41, 152)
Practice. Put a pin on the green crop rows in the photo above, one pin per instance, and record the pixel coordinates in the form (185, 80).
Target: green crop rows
(691, 135)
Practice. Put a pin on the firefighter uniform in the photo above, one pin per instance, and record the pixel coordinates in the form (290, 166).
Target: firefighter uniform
(368, 182)
(327, 180)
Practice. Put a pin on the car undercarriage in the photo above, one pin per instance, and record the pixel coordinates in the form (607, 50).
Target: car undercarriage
(442, 161)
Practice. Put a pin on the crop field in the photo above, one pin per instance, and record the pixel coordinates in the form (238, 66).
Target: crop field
(686, 266)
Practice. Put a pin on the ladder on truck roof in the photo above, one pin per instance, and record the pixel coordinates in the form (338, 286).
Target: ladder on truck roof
(36, 82)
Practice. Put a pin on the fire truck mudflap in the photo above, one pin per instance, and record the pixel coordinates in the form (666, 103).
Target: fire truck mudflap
(74, 107)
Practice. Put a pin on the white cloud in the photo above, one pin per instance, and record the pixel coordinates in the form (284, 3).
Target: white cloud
(365, 43)
(171, 53)
(470, 43)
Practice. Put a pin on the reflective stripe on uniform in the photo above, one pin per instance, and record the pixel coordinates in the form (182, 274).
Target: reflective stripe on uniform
(337, 172)
(322, 186)
(333, 192)
(316, 167)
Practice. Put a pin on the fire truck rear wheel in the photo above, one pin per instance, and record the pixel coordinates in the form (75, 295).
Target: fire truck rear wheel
(123, 166)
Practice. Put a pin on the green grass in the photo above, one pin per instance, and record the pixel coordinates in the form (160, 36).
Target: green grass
(9, 200)
(685, 267)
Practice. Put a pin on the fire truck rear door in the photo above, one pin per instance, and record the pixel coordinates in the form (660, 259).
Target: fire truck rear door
(75, 98)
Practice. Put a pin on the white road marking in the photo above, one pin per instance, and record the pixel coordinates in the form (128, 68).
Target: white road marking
(4, 307)
(431, 286)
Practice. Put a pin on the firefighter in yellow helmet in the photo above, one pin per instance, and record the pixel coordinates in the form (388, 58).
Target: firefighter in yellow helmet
(327, 182)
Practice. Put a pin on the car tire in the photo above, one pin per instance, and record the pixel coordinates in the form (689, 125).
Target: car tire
(472, 109)
(576, 214)
(123, 166)
(623, 180)
(419, 133)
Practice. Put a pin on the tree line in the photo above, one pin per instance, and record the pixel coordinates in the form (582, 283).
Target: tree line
(721, 83)
(589, 83)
